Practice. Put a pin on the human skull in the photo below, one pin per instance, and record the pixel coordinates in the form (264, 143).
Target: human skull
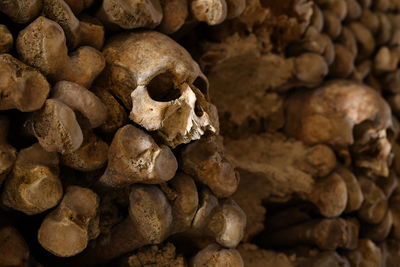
(349, 116)
(168, 91)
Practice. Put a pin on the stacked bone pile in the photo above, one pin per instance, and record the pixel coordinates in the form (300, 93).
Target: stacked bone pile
(308, 99)
(97, 110)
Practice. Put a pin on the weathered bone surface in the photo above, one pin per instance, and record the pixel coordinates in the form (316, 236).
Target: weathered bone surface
(268, 172)
(42, 44)
(162, 85)
(6, 39)
(21, 86)
(34, 185)
(81, 100)
(131, 14)
(66, 231)
(214, 255)
(212, 12)
(205, 160)
(159, 255)
(21, 11)
(90, 156)
(185, 201)
(135, 157)
(175, 13)
(332, 115)
(56, 127)
(77, 32)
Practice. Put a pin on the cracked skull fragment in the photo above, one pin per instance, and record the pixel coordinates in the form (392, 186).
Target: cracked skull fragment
(162, 85)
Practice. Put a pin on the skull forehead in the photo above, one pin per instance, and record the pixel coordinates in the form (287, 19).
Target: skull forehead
(330, 113)
(146, 54)
(352, 101)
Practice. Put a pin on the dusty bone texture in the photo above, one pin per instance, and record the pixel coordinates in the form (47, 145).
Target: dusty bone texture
(155, 81)
(212, 12)
(150, 212)
(214, 255)
(131, 14)
(135, 157)
(184, 202)
(14, 251)
(8, 154)
(281, 168)
(150, 221)
(21, 11)
(78, 6)
(33, 185)
(326, 234)
(159, 255)
(67, 230)
(56, 127)
(42, 44)
(227, 224)
(116, 114)
(205, 160)
(243, 93)
(81, 100)
(77, 32)
(312, 119)
(6, 39)
(222, 221)
(257, 257)
(90, 156)
(175, 13)
(21, 87)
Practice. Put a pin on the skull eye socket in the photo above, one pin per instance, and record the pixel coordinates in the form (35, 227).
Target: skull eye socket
(201, 84)
(162, 88)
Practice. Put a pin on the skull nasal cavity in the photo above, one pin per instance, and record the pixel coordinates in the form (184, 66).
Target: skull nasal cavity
(161, 88)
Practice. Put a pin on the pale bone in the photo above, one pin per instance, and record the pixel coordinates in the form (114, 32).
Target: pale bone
(212, 12)
(82, 100)
(34, 185)
(205, 160)
(214, 256)
(131, 14)
(135, 157)
(42, 45)
(56, 127)
(162, 85)
(21, 11)
(21, 87)
(67, 230)
(77, 32)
